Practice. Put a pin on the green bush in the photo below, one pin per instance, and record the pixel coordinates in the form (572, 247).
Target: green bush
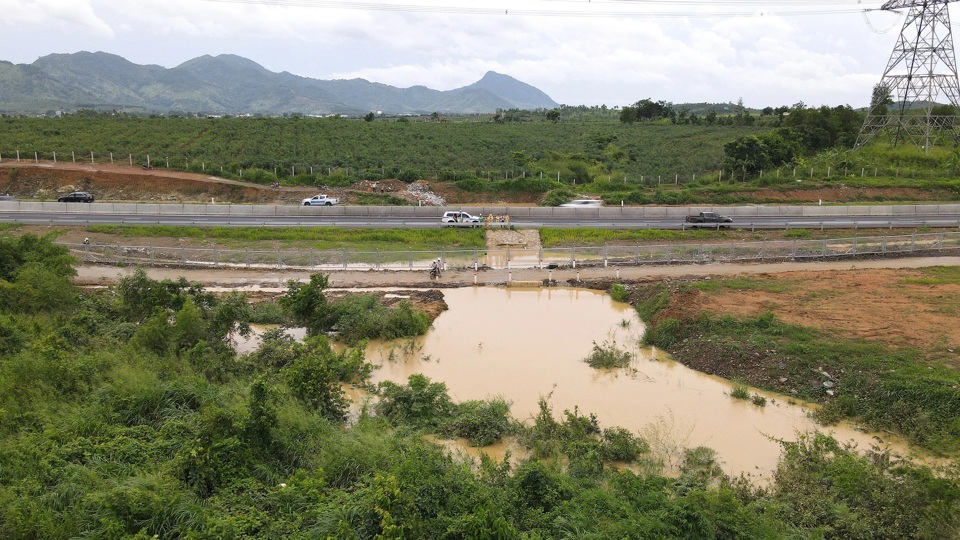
(268, 313)
(619, 293)
(473, 185)
(315, 383)
(480, 422)
(419, 403)
(664, 334)
(556, 197)
(739, 391)
(608, 356)
(621, 445)
(361, 317)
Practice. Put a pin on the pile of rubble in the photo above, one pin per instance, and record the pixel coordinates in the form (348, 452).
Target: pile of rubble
(421, 191)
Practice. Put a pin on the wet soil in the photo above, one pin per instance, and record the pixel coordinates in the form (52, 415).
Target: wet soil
(895, 307)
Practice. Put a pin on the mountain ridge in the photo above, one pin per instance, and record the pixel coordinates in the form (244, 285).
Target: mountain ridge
(231, 84)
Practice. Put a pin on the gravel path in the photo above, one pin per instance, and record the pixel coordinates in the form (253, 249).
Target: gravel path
(104, 275)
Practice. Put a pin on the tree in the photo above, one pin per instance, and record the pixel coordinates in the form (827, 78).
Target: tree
(188, 327)
(369, 117)
(315, 384)
(553, 115)
(711, 117)
(308, 304)
(880, 98)
(746, 153)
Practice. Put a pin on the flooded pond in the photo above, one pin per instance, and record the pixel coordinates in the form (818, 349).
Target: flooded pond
(521, 344)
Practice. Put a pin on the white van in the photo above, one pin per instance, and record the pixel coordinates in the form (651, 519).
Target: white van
(583, 203)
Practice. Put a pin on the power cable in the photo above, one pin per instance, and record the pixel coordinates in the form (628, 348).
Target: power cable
(739, 8)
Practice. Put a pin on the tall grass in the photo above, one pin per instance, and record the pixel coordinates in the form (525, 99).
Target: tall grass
(582, 236)
(608, 356)
(319, 237)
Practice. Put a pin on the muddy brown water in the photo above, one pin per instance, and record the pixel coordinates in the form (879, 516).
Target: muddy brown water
(521, 344)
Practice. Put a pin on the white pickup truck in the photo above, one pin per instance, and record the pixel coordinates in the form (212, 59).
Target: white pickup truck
(320, 200)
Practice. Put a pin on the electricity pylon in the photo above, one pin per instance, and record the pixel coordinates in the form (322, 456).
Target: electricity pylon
(921, 69)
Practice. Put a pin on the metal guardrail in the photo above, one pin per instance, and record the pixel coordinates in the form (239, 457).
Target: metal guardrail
(517, 258)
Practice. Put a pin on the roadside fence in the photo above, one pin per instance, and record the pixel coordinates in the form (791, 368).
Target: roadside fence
(508, 258)
(308, 173)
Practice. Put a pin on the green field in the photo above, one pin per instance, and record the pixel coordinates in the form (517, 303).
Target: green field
(548, 162)
(448, 150)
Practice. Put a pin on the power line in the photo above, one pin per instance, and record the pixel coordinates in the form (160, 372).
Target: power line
(737, 8)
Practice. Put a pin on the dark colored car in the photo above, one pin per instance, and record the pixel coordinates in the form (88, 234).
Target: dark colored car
(76, 196)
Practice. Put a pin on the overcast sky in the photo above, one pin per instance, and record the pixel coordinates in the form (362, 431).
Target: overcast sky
(580, 52)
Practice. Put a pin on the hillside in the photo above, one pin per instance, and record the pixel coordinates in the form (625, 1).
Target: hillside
(229, 84)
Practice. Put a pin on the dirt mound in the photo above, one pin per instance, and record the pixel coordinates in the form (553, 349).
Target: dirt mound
(523, 238)
(46, 181)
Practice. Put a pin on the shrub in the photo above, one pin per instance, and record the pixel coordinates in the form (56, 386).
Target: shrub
(556, 197)
(419, 403)
(621, 445)
(362, 317)
(664, 334)
(608, 356)
(268, 313)
(474, 185)
(739, 391)
(481, 422)
(619, 293)
(314, 383)
(12, 337)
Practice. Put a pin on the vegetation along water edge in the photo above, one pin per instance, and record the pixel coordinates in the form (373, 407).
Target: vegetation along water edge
(124, 413)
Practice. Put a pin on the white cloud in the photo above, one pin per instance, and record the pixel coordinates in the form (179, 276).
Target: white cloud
(767, 60)
(72, 14)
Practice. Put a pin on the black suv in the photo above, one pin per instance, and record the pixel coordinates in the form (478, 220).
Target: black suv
(76, 196)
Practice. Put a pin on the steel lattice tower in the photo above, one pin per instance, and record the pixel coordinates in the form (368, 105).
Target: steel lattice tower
(921, 70)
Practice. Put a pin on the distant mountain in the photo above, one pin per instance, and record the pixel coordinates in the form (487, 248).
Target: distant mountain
(229, 84)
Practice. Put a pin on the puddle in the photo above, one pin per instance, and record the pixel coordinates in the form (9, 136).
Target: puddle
(252, 342)
(521, 344)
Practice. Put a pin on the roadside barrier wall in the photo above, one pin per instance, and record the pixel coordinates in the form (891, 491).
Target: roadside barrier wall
(522, 212)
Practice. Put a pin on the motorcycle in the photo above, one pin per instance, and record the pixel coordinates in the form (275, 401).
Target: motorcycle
(434, 273)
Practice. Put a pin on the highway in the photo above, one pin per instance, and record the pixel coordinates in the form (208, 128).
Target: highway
(387, 221)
